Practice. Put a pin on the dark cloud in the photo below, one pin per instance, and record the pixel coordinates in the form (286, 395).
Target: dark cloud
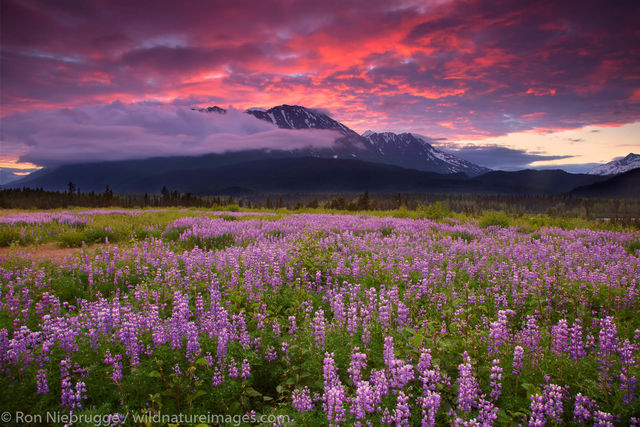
(499, 157)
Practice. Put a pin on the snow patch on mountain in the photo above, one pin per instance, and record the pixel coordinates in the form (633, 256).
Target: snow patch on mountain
(632, 161)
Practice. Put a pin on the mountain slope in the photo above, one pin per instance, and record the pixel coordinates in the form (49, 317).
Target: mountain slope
(533, 181)
(632, 161)
(408, 151)
(213, 175)
(626, 184)
(297, 117)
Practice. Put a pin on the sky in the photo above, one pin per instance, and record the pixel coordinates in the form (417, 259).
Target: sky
(505, 84)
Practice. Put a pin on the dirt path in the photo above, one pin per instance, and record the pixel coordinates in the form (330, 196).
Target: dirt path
(47, 252)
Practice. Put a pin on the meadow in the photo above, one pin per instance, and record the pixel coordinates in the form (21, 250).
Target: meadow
(400, 318)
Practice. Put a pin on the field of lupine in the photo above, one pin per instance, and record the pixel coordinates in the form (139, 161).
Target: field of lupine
(330, 319)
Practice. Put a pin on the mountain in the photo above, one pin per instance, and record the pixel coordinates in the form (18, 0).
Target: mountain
(8, 175)
(281, 172)
(412, 152)
(632, 161)
(297, 117)
(219, 174)
(626, 184)
(530, 181)
(404, 150)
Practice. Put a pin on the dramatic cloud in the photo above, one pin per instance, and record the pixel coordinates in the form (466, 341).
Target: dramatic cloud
(128, 131)
(498, 157)
(459, 69)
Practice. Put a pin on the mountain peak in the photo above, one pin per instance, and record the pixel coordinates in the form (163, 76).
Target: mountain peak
(615, 167)
(409, 151)
(298, 117)
(214, 109)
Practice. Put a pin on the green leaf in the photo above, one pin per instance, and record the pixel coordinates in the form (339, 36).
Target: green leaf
(202, 361)
(253, 392)
(198, 394)
(530, 388)
(154, 374)
(267, 398)
(417, 341)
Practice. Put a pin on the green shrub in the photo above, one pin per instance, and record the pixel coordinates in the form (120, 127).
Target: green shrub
(494, 218)
(71, 239)
(9, 236)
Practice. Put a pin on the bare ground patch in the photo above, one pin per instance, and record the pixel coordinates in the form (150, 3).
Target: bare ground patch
(46, 252)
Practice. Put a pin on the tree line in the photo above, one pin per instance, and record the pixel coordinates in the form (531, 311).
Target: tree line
(471, 204)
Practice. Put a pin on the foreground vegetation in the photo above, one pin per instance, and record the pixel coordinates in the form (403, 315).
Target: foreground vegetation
(401, 317)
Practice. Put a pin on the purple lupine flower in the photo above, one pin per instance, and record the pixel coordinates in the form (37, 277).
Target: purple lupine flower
(518, 354)
(499, 330)
(275, 327)
(495, 379)
(271, 354)
(334, 396)
(530, 336)
(602, 419)
(366, 336)
(79, 395)
(66, 392)
(583, 408)
(318, 328)
(380, 383)
(293, 327)
(386, 418)
(284, 348)
(301, 400)
(400, 374)
(428, 375)
(627, 381)
(402, 412)
(245, 370)
(217, 378)
(334, 400)
(429, 403)
(467, 385)
(116, 369)
(232, 369)
(330, 371)
(607, 344)
(41, 382)
(176, 370)
(537, 410)
(364, 401)
(576, 345)
(553, 396)
(487, 412)
(560, 338)
(388, 352)
(357, 364)
(193, 346)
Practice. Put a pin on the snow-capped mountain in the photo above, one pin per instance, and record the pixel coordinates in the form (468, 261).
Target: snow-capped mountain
(404, 150)
(632, 161)
(296, 117)
(412, 152)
